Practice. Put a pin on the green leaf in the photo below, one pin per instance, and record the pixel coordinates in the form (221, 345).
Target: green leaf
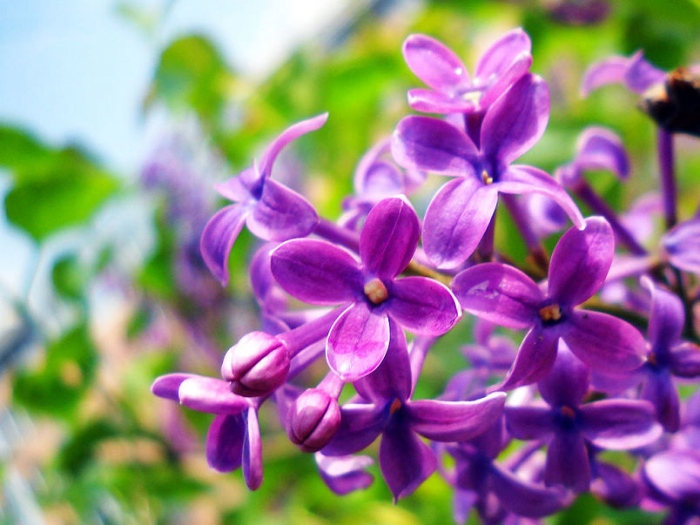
(69, 278)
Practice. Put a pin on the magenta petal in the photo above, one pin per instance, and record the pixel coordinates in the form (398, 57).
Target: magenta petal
(214, 396)
(252, 452)
(344, 474)
(435, 64)
(455, 420)
(601, 149)
(357, 342)
(619, 424)
(378, 180)
(580, 262)
(521, 180)
(535, 358)
(225, 442)
(238, 189)
(498, 293)
(168, 386)
(685, 360)
(430, 144)
(422, 306)
(316, 272)
(429, 101)
(519, 67)
(406, 462)
(218, 237)
(530, 422)
(567, 462)
(516, 121)
(281, 214)
(288, 135)
(522, 498)
(502, 53)
(604, 342)
(456, 220)
(389, 237)
(676, 473)
(608, 71)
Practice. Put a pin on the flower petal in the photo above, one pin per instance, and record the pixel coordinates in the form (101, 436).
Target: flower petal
(422, 306)
(600, 149)
(456, 220)
(676, 473)
(360, 425)
(607, 71)
(435, 64)
(357, 342)
(389, 237)
(429, 101)
(682, 244)
(281, 214)
(316, 272)
(430, 144)
(168, 385)
(641, 75)
(455, 420)
(667, 317)
(238, 189)
(619, 424)
(499, 293)
(523, 498)
(660, 391)
(207, 394)
(503, 64)
(516, 121)
(252, 452)
(685, 360)
(580, 262)
(530, 422)
(567, 462)
(225, 442)
(615, 486)
(345, 474)
(604, 342)
(535, 358)
(567, 383)
(218, 237)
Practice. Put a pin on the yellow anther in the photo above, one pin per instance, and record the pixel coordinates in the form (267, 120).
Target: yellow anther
(550, 313)
(486, 178)
(376, 291)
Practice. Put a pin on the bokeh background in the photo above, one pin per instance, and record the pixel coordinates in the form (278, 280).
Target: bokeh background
(116, 117)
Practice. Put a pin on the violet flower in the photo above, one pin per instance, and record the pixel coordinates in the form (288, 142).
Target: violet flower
(271, 211)
(634, 72)
(506, 296)
(318, 272)
(673, 478)
(461, 211)
(452, 89)
(386, 409)
(612, 424)
(344, 474)
(682, 246)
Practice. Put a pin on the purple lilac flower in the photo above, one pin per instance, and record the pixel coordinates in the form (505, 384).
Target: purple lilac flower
(385, 409)
(682, 246)
(612, 424)
(508, 297)
(462, 209)
(271, 211)
(579, 12)
(318, 272)
(634, 72)
(344, 474)
(452, 90)
(674, 481)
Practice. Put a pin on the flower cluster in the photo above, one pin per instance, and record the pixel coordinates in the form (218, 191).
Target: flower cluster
(527, 419)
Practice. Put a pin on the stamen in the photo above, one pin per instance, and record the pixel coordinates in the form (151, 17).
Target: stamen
(568, 412)
(486, 178)
(653, 361)
(395, 406)
(376, 291)
(550, 313)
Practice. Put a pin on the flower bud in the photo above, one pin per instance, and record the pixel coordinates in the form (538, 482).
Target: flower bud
(257, 365)
(313, 420)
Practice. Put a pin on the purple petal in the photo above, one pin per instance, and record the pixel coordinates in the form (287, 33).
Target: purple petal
(168, 386)
(567, 383)
(641, 75)
(316, 272)
(214, 396)
(252, 452)
(225, 442)
(535, 358)
(503, 63)
(660, 391)
(516, 121)
(601, 149)
(435, 64)
(346, 474)
(608, 71)
(457, 420)
(616, 487)
(604, 342)
(567, 462)
(360, 425)
(667, 317)
(521, 180)
(288, 135)
(422, 306)
(357, 342)
(685, 360)
(498, 293)
(580, 262)
(682, 244)
(389, 237)
(676, 473)
(238, 189)
(430, 144)
(429, 101)
(281, 214)
(405, 460)
(218, 237)
(392, 379)
(522, 498)
(380, 179)
(456, 220)
(619, 424)
(530, 422)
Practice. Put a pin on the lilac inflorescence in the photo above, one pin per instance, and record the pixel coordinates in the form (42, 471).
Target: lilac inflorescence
(527, 418)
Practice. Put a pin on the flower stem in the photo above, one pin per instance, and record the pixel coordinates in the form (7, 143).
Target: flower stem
(337, 234)
(668, 176)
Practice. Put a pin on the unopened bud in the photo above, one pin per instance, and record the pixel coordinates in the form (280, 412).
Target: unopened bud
(313, 420)
(257, 365)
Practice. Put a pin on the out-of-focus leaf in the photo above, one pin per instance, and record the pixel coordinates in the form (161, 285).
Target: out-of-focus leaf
(69, 279)
(21, 150)
(157, 276)
(80, 449)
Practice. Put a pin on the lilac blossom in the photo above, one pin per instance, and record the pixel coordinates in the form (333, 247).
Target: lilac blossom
(612, 424)
(271, 211)
(682, 246)
(634, 72)
(674, 482)
(461, 211)
(318, 272)
(506, 296)
(452, 90)
(344, 474)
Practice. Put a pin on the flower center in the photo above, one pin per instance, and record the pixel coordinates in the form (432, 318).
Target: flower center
(486, 178)
(395, 406)
(376, 291)
(550, 313)
(567, 412)
(652, 359)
